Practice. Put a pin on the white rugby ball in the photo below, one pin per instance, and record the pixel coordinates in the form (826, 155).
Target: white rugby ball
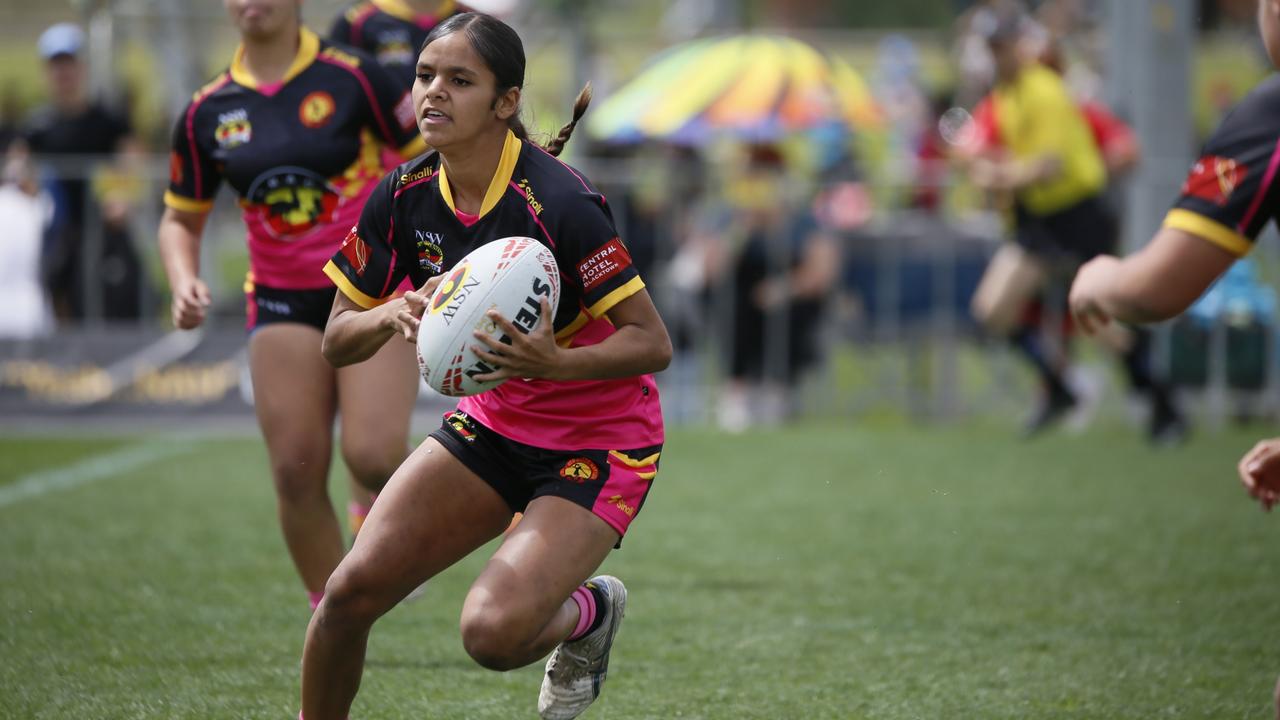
(511, 275)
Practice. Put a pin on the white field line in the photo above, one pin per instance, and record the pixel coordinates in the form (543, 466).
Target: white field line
(87, 471)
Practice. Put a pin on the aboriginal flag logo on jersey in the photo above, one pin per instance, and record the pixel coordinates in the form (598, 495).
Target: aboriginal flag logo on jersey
(292, 200)
(1214, 178)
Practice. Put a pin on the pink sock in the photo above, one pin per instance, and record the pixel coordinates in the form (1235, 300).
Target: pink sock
(315, 597)
(586, 601)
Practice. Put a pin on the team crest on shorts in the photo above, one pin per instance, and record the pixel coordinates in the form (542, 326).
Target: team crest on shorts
(316, 109)
(580, 470)
(461, 424)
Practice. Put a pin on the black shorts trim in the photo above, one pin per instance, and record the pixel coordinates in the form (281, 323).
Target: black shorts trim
(267, 305)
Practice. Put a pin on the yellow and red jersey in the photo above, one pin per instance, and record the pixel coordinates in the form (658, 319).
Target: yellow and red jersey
(302, 154)
(1033, 116)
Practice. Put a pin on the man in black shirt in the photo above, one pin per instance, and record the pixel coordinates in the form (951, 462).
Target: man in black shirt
(69, 137)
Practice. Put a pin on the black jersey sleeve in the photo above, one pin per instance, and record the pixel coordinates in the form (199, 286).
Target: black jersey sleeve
(367, 267)
(193, 175)
(395, 105)
(593, 256)
(340, 30)
(1231, 192)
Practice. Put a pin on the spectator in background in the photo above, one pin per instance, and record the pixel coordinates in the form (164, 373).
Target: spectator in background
(69, 138)
(780, 267)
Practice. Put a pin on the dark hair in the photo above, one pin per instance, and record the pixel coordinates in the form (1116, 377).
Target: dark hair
(503, 52)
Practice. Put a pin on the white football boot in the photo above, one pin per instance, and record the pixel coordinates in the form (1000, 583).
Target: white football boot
(577, 669)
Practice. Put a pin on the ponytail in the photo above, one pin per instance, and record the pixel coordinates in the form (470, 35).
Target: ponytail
(579, 108)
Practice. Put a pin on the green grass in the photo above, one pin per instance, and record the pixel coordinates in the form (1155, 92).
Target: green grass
(819, 571)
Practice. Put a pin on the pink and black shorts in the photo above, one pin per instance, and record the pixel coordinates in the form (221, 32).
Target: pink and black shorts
(612, 484)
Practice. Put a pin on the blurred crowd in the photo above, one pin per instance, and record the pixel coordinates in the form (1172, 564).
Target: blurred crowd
(758, 241)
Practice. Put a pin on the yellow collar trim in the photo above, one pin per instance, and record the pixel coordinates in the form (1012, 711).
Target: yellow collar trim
(498, 185)
(308, 48)
(400, 9)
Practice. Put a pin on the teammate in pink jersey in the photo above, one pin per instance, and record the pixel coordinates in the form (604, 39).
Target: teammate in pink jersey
(572, 437)
(295, 126)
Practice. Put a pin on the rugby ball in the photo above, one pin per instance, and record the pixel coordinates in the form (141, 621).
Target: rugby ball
(510, 275)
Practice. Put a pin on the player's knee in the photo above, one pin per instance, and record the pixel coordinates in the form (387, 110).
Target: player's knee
(372, 464)
(299, 476)
(493, 641)
(352, 598)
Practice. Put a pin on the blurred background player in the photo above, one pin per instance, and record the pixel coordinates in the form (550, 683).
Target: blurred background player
(89, 232)
(572, 438)
(296, 127)
(1034, 146)
(392, 31)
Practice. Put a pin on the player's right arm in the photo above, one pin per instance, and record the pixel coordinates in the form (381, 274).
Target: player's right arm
(193, 181)
(179, 238)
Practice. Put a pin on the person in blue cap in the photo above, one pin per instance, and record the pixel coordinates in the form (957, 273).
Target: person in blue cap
(62, 135)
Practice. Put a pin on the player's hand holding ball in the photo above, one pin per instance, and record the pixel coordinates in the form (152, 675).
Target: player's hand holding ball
(407, 311)
(532, 355)
(1260, 472)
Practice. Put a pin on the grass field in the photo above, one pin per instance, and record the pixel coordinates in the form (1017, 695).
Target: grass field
(819, 571)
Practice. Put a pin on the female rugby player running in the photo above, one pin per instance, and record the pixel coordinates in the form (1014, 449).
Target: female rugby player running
(295, 126)
(573, 436)
(1228, 198)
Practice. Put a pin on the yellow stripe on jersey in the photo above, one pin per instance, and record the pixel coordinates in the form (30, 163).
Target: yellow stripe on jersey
(1208, 229)
(565, 336)
(497, 184)
(633, 286)
(351, 291)
(308, 48)
(186, 204)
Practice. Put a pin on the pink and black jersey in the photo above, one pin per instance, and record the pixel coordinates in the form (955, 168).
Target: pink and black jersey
(391, 31)
(1231, 192)
(410, 227)
(302, 154)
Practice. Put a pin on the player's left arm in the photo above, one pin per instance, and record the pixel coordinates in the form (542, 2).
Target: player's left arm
(639, 345)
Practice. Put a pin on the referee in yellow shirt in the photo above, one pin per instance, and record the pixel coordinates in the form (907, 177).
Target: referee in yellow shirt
(1035, 145)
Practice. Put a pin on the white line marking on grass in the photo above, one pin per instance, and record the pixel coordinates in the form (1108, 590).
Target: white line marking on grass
(87, 471)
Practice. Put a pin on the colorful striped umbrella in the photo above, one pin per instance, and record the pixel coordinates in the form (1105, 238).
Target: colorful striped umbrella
(753, 87)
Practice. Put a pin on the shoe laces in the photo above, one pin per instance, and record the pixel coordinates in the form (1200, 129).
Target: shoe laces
(568, 665)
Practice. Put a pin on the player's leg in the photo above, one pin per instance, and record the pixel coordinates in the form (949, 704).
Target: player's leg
(1011, 280)
(534, 595)
(293, 390)
(433, 512)
(519, 608)
(375, 401)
